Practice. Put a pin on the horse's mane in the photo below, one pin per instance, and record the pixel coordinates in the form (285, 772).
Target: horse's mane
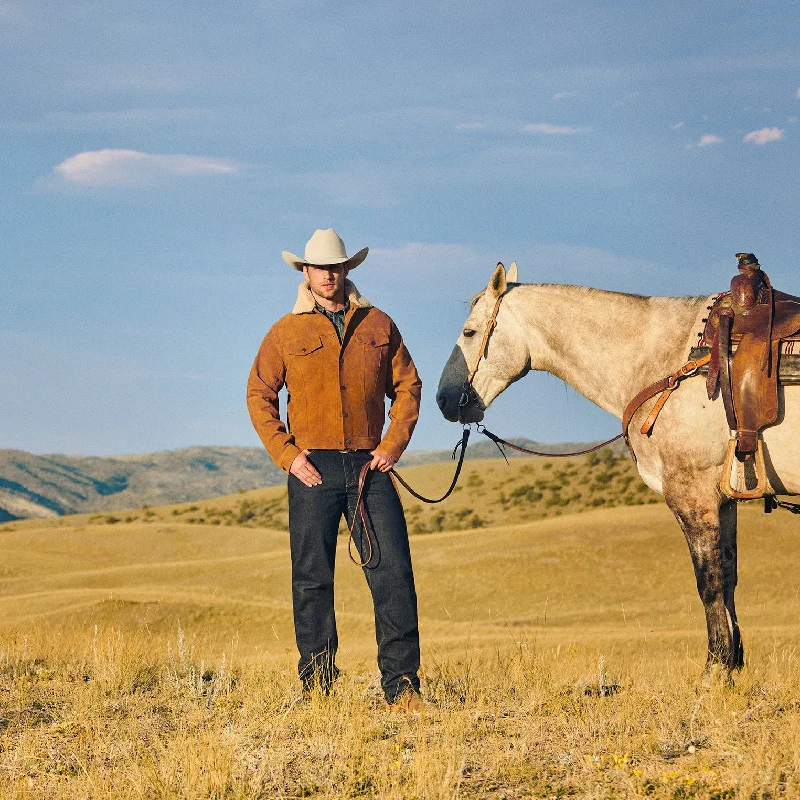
(590, 290)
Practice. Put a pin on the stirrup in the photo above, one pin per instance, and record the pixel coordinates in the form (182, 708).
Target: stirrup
(734, 470)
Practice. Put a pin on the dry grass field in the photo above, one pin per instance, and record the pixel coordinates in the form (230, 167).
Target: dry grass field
(562, 643)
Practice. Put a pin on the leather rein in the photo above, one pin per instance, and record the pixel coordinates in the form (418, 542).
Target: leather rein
(361, 510)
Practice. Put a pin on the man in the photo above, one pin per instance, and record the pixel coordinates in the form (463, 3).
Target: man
(339, 358)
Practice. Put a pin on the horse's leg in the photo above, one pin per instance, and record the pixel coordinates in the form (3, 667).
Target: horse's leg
(727, 529)
(695, 502)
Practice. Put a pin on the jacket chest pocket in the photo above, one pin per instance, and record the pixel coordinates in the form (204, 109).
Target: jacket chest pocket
(300, 348)
(302, 355)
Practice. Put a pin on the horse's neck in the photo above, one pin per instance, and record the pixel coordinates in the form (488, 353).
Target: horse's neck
(606, 345)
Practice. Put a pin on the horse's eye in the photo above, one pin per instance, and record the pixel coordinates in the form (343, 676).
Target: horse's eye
(468, 332)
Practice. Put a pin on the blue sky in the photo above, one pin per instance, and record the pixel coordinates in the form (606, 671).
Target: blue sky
(158, 156)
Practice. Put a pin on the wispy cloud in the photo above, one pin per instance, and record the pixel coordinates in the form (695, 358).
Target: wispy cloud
(422, 255)
(367, 125)
(677, 126)
(440, 265)
(134, 169)
(150, 75)
(448, 264)
(707, 140)
(89, 120)
(563, 95)
(627, 100)
(586, 265)
(764, 136)
(9, 10)
(358, 185)
(551, 130)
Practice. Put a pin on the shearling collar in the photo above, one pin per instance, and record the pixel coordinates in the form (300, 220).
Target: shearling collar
(305, 300)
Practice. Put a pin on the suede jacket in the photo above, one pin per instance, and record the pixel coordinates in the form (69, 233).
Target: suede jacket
(336, 392)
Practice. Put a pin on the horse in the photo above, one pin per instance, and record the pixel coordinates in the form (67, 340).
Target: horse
(608, 346)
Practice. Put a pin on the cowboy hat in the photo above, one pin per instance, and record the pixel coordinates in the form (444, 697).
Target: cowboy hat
(324, 249)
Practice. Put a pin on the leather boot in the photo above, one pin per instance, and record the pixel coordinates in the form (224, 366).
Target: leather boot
(408, 702)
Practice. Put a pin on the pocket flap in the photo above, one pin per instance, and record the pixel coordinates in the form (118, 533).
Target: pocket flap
(304, 346)
(374, 339)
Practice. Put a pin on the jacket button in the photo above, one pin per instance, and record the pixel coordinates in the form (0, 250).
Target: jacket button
(343, 388)
(373, 341)
(341, 361)
(347, 441)
(345, 414)
(303, 350)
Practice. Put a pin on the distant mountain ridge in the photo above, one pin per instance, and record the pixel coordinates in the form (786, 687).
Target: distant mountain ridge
(54, 485)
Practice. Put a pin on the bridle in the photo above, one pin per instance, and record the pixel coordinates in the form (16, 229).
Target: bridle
(468, 393)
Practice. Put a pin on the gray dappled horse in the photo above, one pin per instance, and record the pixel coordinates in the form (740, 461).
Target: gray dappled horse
(608, 346)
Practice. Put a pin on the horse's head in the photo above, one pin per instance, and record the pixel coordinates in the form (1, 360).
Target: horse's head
(495, 354)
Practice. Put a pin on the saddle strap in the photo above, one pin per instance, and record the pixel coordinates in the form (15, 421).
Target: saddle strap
(769, 365)
(664, 387)
(724, 360)
(712, 378)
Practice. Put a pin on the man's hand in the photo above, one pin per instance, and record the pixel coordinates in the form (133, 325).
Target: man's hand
(381, 460)
(304, 470)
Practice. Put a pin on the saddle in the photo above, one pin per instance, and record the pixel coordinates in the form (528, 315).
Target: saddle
(746, 331)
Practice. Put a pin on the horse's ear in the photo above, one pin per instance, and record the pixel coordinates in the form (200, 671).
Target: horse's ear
(511, 275)
(497, 283)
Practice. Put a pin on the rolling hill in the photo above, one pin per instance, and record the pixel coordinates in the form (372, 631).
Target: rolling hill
(158, 565)
(490, 492)
(54, 485)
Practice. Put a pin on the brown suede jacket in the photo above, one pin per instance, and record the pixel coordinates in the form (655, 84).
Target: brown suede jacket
(336, 392)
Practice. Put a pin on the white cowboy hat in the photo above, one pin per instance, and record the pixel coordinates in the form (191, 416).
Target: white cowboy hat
(324, 249)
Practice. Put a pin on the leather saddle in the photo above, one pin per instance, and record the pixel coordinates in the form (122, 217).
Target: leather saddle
(745, 329)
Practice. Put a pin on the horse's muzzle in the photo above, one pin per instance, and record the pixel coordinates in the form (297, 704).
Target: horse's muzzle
(448, 405)
(461, 405)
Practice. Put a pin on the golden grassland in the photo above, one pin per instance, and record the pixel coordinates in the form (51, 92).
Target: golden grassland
(154, 658)
(490, 492)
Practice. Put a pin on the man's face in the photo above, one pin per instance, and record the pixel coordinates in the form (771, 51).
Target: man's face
(326, 282)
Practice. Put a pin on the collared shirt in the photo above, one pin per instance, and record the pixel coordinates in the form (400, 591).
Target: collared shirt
(336, 317)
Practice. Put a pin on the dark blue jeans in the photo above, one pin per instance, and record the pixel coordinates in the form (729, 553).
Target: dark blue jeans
(314, 516)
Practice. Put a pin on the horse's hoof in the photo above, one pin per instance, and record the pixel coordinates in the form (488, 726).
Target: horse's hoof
(715, 674)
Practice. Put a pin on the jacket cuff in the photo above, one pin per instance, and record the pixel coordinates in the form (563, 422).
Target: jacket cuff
(394, 449)
(289, 454)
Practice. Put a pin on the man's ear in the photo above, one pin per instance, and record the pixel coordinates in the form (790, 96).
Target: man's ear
(497, 283)
(305, 274)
